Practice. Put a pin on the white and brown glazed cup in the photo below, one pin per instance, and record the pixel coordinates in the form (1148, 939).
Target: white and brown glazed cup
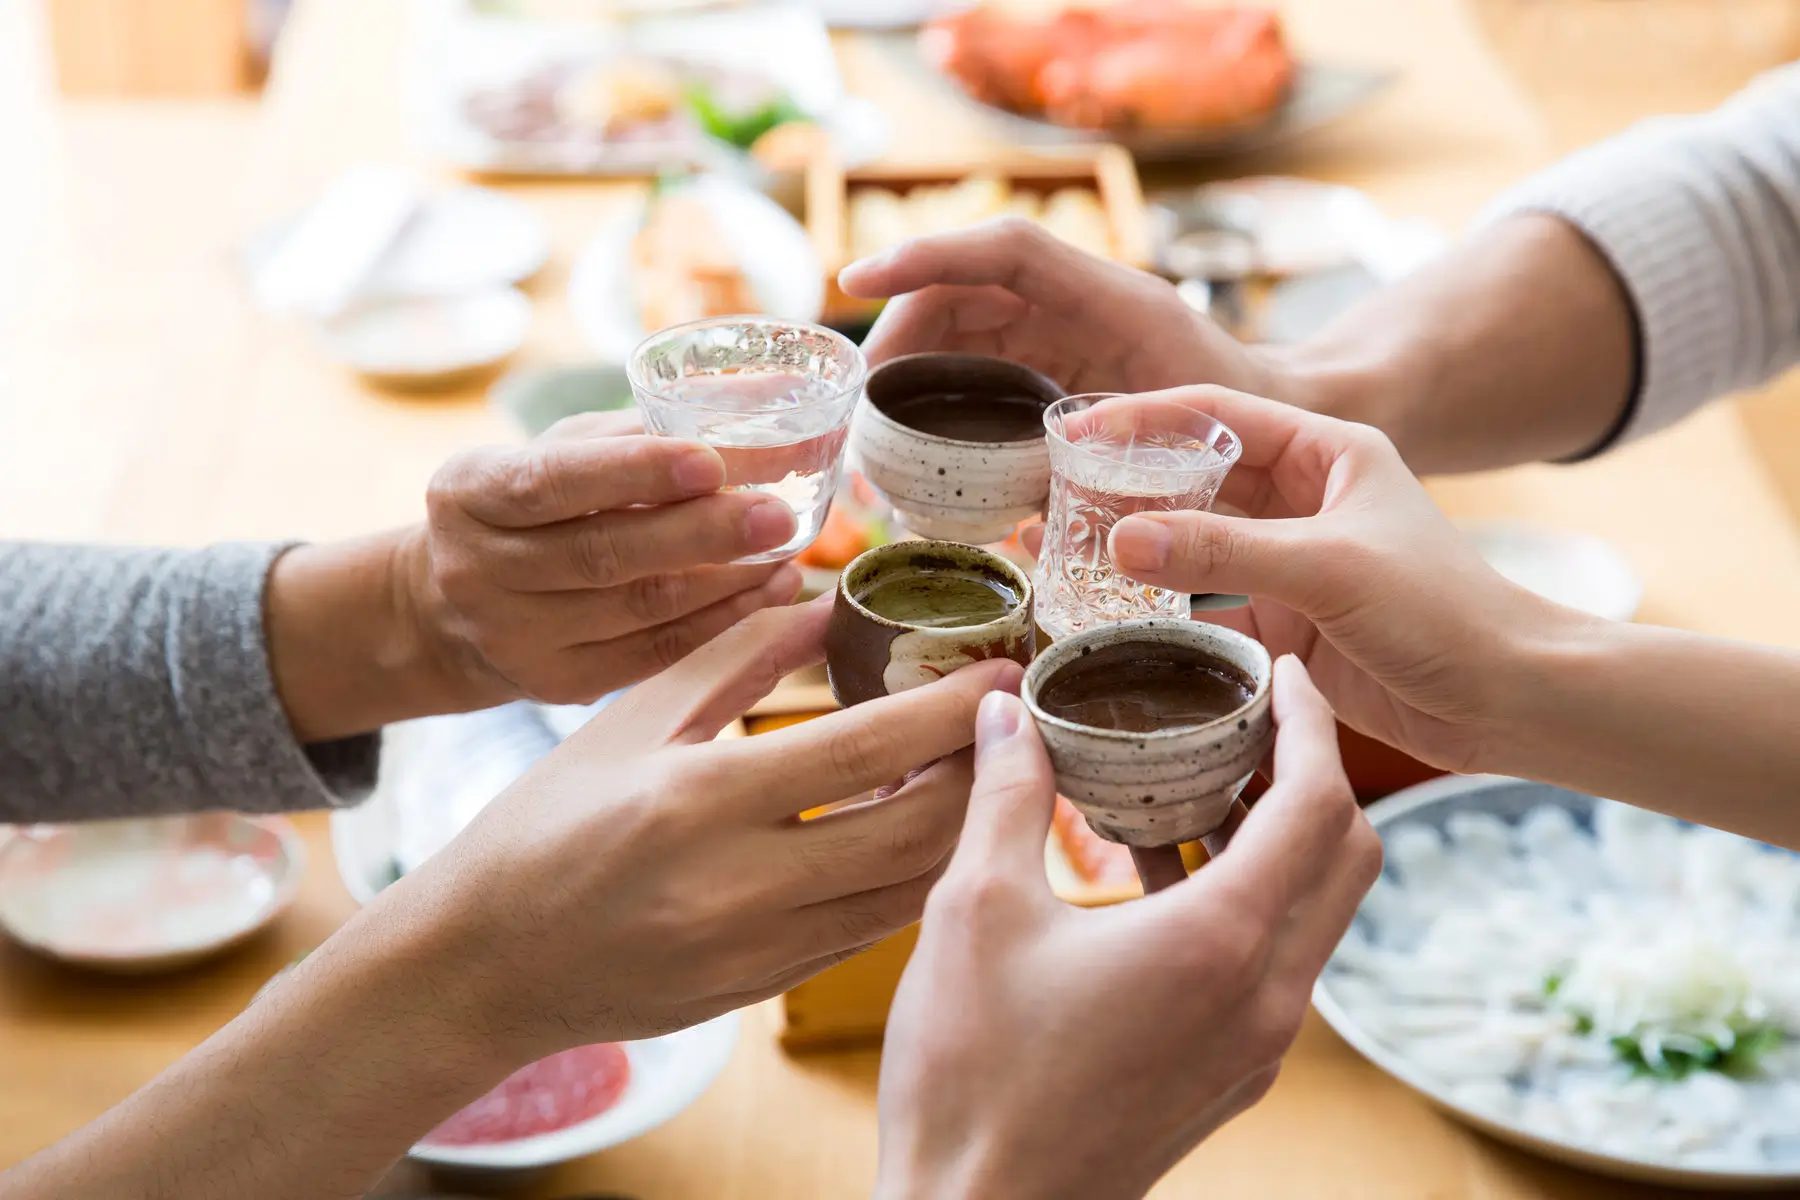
(1170, 786)
(868, 656)
(943, 487)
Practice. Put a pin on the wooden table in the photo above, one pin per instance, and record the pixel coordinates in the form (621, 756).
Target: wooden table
(142, 399)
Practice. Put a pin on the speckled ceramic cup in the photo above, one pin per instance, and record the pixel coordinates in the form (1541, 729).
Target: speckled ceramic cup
(868, 655)
(1169, 786)
(973, 488)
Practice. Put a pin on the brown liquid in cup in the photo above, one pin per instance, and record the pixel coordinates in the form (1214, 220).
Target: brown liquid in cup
(971, 416)
(1142, 687)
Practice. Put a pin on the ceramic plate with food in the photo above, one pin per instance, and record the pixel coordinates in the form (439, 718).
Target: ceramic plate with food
(706, 247)
(507, 96)
(1168, 79)
(149, 894)
(1598, 984)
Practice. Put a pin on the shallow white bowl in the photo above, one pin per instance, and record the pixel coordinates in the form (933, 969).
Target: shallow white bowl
(76, 892)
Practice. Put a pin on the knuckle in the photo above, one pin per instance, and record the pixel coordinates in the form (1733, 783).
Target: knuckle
(669, 644)
(522, 480)
(655, 599)
(1276, 1026)
(918, 845)
(595, 555)
(864, 752)
(973, 904)
(862, 924)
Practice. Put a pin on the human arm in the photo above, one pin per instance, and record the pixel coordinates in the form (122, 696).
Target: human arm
(135, 682)
(1418, 642)
(640, 879)
(1599, 301)
(1030, 1045)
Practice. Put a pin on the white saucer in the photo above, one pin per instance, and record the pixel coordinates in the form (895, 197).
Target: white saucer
(1577, 570)
(423, 340)
(147, 895)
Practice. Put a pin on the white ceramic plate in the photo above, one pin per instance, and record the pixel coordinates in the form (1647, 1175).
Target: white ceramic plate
(151, 894)
(424, 339)
(667, 1075)
(778, 257)
(1580, 571)
(1434, 803)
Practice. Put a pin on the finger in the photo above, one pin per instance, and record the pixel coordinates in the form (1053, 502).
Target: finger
(882, 841)
(691, 688)
(608, 549)
(559, 479)
(1013, 800)
(1009, 252)
(1286, 845)
(788, 771)
(1288, 561)
(943, 318)
(1319, 923)
(579, 618)
(850, 923)
(1216, 841)
(623, 423)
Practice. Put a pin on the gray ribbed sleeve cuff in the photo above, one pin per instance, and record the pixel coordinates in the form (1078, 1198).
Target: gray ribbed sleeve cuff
(1700, 219)
(137, 682)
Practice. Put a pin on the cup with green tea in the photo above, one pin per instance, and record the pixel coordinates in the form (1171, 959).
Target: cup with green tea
(914, 611)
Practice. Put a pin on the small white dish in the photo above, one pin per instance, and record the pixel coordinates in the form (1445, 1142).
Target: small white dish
(1577, 570)
(668, 1074)
(775, 251)
(145, 895)
(419, 341)
(462, 240)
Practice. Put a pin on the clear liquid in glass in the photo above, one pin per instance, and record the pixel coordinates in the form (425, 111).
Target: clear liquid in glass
(773, 398)
(1095, 484)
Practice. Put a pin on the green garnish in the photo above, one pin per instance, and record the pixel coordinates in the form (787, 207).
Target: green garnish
(1552, 982)
(741, 130)
(1680, 1055)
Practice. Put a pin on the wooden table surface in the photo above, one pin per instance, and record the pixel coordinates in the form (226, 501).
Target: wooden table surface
(142, 399)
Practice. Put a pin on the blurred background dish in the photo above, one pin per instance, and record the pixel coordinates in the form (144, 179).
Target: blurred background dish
(695, 248)
(1583, 572)
(1166, 79)
(1596, 984)
(147, 895)
(538, 397)
(428, 342)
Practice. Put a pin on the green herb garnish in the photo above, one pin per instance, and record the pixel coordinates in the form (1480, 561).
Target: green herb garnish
(741, 129)
(1680, 1055)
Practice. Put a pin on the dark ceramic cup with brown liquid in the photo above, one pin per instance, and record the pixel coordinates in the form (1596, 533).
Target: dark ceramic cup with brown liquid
(1154, 726)
(912, 612)
(955, 443)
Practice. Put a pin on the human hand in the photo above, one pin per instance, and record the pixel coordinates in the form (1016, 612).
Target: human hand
(644, 877)
(586, 560)
(1030, 1045)
(1348, 564)
(1009, 289)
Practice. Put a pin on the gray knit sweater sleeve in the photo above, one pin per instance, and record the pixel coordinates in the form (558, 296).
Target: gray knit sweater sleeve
(1700, 217)
(136, 682)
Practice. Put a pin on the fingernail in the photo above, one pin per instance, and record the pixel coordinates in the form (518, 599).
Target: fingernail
(784, 584)
(1141, 544)
(768, 524)
(999, 717)
(699, 472)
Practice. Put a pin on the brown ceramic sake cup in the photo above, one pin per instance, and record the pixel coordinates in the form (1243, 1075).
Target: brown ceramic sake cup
(868, 655)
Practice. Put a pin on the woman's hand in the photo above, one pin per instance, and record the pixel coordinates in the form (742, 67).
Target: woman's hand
(1039, 1049)
(1413, 638)
(1008, 288)
(645, 877)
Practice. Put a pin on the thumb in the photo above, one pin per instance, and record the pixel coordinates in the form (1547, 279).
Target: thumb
(1200, 552)
(1013, 798)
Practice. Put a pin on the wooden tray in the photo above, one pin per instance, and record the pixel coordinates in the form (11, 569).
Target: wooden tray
(1105, 168)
